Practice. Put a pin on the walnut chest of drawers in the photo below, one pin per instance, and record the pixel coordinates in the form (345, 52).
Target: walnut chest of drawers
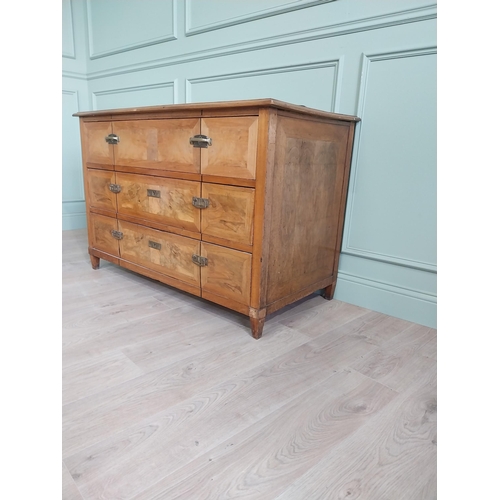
(241, 203)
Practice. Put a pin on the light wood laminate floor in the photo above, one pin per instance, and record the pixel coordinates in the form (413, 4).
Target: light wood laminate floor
(166, 396)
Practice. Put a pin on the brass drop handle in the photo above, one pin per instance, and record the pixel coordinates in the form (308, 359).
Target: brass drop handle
(200, 141)
(112, 139)
(117, 234)
(199, 260)
(200, 202)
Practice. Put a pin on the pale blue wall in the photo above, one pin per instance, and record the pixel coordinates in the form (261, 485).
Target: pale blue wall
(376, 60)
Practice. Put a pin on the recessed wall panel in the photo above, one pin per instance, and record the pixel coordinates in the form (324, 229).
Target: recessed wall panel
(117, 26)
(68, 39)
(392, 201)
(292, 84)
(146, 95)
(202, 15)
(72, 178)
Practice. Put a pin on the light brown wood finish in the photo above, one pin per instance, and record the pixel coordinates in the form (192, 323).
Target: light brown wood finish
(163, 200)
(167, 398)
(158, 144)
(250, 106)
(275, 179)
(94, 143)
(234, 146)
(308, 175)
(227, 273)
(100, 234)
(99, 195)
(229, 214)
(163, 252)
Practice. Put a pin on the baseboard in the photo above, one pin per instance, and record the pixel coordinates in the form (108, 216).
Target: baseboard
(402, 303)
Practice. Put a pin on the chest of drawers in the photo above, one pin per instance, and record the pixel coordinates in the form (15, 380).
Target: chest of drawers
(241, 203)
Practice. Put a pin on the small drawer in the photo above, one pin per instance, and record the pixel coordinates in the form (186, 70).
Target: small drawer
(100, 185)
(226, 272)
(229, 214)
(233, 149)
(103, 233)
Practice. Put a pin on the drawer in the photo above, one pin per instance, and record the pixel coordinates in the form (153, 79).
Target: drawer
(226, 273)
(229, 214)
(158, 144)
(96, 149)
(99, 194)
(233, 152)
(163, 200)
(162, 252)
(101, 237)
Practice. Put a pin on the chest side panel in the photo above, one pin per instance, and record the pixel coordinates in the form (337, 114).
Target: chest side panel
(305, 203)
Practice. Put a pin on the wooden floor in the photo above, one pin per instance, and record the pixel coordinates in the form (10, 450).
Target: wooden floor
(166, 396)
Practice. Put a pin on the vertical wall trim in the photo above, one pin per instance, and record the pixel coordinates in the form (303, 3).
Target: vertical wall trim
(72, 53)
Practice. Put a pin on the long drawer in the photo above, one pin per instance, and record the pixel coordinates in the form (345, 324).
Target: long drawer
(224, 212)
(215, 269)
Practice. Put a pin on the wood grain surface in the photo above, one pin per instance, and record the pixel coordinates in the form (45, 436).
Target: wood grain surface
(162, 200)
(168, 397)
(158, 144)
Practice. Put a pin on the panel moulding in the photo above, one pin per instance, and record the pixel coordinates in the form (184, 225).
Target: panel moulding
(347, 248)
(70, 54)
(336, 29)
(75, 108)
(388, 287)
(125, 48)
(260, 14)
(139, 88)
(334, 63)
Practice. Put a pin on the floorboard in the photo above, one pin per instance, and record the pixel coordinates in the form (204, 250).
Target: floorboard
(167, 396)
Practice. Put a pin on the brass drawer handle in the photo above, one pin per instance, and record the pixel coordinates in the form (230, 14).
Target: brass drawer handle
(200, 141)
(117, 234)
(115, 188)
(201, 202)
(112, 139)
(199, 260)
(153, 244)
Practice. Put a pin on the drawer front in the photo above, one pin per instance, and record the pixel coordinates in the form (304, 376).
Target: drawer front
(99, 194)
(233, 152)
(158, 144)
(227, 272)
(163, 252)
(163, 200)
(96, 149)
(229, 214)
(101, 237)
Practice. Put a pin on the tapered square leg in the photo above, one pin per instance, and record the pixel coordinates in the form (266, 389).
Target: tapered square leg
(95, 261)
(329, 291)
(257, 325)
